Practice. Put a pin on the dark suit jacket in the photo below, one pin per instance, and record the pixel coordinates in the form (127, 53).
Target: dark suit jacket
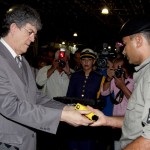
(22, 105)
(79, 85)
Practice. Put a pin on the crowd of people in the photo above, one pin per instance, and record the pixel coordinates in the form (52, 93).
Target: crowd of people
(120, 94)
(81, 79)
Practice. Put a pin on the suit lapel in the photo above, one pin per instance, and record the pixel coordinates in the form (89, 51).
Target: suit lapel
(11, 61)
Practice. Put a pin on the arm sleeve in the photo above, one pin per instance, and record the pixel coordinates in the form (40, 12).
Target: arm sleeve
(109, 90)
(19, 104)
(41, 77)
(146, 111)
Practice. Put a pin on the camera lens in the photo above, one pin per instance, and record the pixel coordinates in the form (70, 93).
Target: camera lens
(102, 63)
(118, 73)
(62, 63)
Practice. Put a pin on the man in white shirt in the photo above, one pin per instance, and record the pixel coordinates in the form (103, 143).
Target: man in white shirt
(55, 78)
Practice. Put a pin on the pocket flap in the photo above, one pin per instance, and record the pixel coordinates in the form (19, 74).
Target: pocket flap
(10, 138)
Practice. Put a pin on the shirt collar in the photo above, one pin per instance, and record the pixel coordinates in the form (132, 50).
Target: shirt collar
(9, 48)
(147, 61)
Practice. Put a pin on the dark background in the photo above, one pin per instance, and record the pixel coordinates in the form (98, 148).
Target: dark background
(61, 18)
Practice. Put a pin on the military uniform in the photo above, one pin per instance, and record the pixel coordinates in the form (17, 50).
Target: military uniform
(137, 118)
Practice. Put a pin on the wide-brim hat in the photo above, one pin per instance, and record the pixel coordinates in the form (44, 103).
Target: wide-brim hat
(88, 53)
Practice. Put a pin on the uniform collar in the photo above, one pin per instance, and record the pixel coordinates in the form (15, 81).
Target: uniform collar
(147, 61)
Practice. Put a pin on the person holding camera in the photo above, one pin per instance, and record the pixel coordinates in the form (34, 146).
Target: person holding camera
(120, 82)
(55, 78)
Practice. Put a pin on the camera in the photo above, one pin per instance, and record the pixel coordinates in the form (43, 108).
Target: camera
(104, 54)
(119, 72)
(102, 62)
(61, 62)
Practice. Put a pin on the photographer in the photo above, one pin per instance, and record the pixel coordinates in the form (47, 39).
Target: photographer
(55, 78)
(119, 80)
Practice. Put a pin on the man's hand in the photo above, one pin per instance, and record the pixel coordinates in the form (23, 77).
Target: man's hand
(102, 121)
(120, 82)
(75, 117)
(106, 120)
(53, 68)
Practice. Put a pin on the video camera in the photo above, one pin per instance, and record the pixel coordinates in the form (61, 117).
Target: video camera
(104, 54)
(61, 62)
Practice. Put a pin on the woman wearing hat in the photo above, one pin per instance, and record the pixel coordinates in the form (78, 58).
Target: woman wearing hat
(84, 84)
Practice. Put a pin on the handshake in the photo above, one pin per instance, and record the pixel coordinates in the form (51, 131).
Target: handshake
(91, 115)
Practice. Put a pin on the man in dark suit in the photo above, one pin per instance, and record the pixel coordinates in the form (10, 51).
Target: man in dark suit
(22, 107)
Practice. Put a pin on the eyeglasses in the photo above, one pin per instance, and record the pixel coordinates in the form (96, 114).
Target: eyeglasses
(30, 33)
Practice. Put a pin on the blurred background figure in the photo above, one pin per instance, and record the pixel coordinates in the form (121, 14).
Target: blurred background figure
(75, 62)
(50, 56)
(45, 57)
(40, 62)
(55, 77)
(108, 109)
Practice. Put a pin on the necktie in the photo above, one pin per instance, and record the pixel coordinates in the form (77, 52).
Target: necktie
(19, 61)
